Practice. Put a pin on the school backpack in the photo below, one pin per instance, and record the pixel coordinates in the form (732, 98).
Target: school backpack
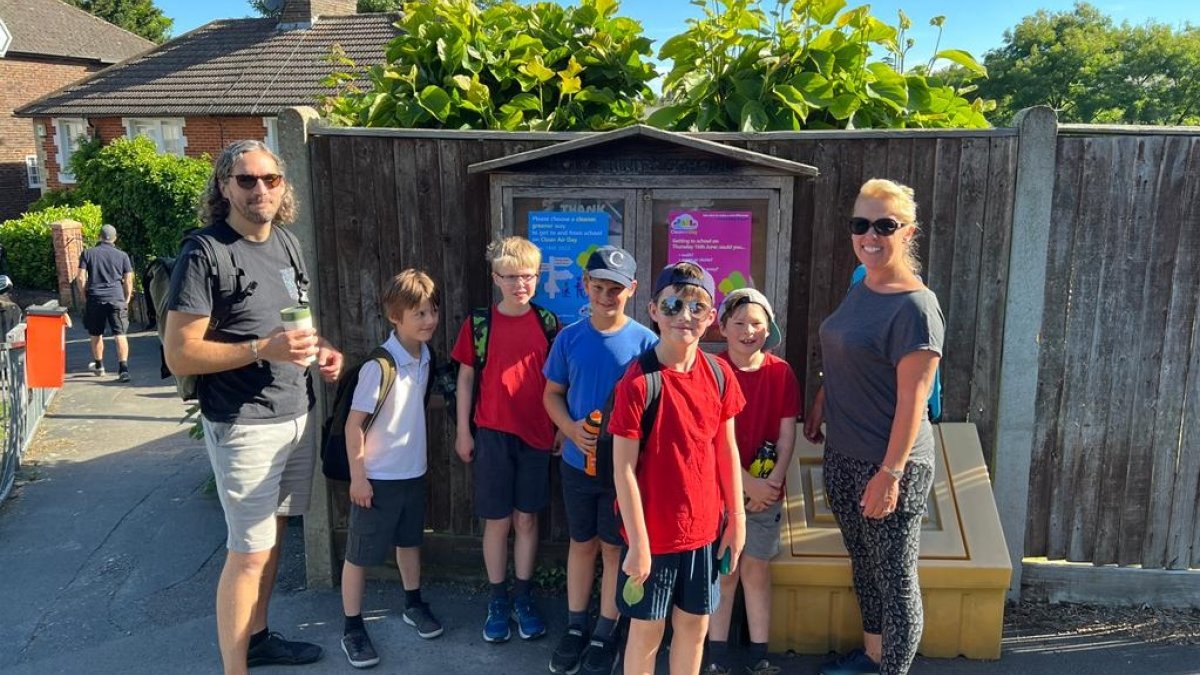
(652, 372)
(228, 281)
(935, 392)
(481, 324)
(334, 462)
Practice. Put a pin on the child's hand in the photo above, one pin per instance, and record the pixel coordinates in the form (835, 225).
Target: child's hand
(582, 438)
(760, 490)
(637, 564)
(556, 449)
(734, 538)
(464, 447)
(755, 507)
(361, 493)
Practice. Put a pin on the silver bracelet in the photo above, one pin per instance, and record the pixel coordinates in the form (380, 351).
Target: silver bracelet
(894, 473)
(254, 352)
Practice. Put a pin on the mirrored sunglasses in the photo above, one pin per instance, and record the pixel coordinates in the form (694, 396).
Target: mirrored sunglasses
(673, 305)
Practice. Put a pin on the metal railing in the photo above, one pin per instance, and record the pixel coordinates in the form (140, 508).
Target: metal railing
(21, 408)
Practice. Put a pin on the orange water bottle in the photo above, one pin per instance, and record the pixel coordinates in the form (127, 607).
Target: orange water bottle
(592, 426)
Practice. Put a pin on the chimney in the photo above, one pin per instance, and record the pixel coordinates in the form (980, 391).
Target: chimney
(304, 13)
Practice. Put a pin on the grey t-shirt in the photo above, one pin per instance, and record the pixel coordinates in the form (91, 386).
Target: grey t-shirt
(270, 392)
(862, 343)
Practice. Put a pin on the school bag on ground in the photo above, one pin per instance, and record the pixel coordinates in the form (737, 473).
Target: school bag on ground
(228, 281)
(334, 462)
(652, 374)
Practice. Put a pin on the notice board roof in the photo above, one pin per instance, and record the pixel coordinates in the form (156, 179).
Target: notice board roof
(654, 136)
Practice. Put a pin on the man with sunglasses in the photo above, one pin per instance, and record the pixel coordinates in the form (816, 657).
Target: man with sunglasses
(223, 325)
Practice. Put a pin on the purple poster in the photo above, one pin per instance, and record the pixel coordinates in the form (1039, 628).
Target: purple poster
(718, 240)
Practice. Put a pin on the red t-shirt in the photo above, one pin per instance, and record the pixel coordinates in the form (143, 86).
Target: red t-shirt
(510, 395)
(677, 468)
(772, 394)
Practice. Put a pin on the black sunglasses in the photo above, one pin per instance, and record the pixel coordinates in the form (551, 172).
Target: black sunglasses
(247, 181)
(884, 227)
(673, 304)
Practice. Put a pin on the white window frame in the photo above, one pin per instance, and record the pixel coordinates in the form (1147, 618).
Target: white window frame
(155, 132)
(67, 145)
(33, 172)
(272, 137)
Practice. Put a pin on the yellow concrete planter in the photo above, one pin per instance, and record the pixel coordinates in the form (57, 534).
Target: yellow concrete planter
(964, 565)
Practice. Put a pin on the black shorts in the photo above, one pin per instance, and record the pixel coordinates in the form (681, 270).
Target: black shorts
(509, 475)
(591, 508)
(687, 580)
(98, 314)
(396, 519)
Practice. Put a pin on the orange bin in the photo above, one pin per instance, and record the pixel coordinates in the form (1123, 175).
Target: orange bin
(45, 347)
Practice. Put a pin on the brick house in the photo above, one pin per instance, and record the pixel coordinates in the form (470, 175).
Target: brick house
(224, 81)
(53, 44)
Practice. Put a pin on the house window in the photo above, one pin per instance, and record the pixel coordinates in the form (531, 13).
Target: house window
(70, 133)
(272, 139)
(167, 133)
(33, 171)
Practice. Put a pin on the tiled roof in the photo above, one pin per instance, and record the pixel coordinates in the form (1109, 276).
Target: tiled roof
(227, 67)
(53, 28)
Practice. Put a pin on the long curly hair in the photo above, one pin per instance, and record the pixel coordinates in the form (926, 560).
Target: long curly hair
(214, 206)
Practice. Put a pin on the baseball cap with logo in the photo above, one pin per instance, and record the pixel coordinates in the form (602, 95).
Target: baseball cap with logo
(743, 296)
(613, 264)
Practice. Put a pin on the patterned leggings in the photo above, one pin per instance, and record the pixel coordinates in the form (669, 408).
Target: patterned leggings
(883, 554)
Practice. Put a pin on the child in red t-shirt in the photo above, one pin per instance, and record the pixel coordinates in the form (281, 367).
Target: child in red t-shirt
(769, 419)
(514, 437)
(676, 486)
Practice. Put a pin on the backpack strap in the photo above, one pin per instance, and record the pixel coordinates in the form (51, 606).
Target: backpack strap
(227, 278)
(652, 372)
(481, 324)
(292, 245)
(387, 378)
(433, 375)
(548, 320)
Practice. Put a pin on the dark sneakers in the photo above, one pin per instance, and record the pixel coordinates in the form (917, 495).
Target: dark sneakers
(600, 657)
(275, 651)
(358, 649)
(854, 663)
(418, 616)
(569, 651)
(123, 376)
(763, 667)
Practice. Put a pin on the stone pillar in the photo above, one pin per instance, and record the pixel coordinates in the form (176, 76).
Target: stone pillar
(1016, 413)
(67, 236)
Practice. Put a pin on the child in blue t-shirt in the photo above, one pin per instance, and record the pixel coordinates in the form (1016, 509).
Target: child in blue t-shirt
(585, 363)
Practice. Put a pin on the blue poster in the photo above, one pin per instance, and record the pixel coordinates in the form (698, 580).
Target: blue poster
(566, 240)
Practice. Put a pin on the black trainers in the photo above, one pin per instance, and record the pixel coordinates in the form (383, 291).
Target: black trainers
(716, 669)
(600, 657)
(358, 649)
(567, 654)
(123, 376)
(763, 667)
(275, 651)
(418, 616)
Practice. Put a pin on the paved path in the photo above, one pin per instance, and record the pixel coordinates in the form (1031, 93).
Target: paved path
(109, 559)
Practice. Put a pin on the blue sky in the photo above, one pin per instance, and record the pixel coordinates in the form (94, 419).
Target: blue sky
(976, 25)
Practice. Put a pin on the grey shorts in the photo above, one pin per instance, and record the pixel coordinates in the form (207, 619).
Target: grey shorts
(396, 519)
(762, 532)
(262, 471)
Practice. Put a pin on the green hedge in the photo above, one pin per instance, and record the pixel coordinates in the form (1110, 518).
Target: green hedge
(29, 246)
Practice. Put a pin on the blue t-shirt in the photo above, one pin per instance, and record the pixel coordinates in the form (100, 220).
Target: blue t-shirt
(589, 364)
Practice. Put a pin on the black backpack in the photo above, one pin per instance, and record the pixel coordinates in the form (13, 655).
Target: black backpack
(652, 373)
(228, 280)
(334, 462)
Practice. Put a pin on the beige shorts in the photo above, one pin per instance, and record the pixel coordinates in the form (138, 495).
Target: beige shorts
(762, 532)
(262, 471)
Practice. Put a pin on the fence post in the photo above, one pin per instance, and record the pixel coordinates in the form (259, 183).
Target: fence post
(67, 237)
(1016, 413)
(294, 124)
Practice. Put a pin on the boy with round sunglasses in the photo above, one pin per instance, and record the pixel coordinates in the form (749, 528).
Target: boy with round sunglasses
(676, 485)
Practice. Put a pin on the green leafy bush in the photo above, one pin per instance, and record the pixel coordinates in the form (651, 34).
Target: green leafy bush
(57, 197)
(30, 249)
(507, 66)
(807, 65)
(151, 198)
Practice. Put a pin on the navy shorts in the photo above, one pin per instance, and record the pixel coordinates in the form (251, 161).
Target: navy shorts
(687, 580)
(509, 475)
(591, 507)
(98, 315)
(396, 519)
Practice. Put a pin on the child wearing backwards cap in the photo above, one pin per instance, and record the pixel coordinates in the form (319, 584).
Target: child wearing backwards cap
(769, 419)
(585, 363)
(677, 485)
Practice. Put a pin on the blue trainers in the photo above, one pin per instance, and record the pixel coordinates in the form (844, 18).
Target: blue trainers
(856, 662)
(529, 620)
(495, 629)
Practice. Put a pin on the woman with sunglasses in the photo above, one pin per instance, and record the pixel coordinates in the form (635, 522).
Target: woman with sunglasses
(881, 348)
